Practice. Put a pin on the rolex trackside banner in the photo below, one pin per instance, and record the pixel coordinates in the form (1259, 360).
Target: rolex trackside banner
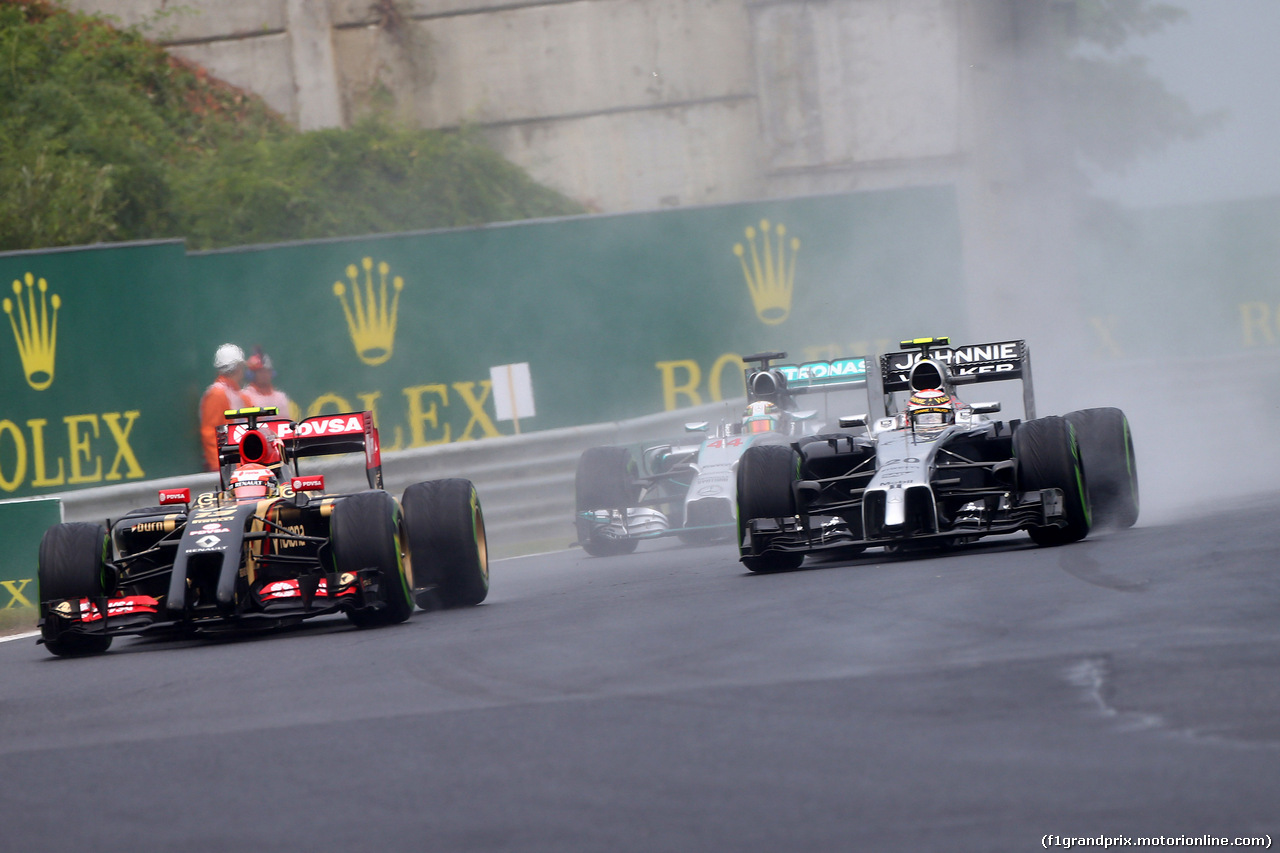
(106, 349)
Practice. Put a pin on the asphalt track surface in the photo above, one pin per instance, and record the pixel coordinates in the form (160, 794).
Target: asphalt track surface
(667, 701)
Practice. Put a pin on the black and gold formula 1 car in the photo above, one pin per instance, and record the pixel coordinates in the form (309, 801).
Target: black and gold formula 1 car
(270, 548)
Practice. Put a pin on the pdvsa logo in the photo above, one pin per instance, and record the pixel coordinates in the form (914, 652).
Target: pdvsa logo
(769, 265)
(35, 329)
(371, 320)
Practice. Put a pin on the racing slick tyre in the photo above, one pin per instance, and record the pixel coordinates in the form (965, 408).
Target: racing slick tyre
(1106, 449)
(366, 532)
(765, 476)
(1048, 457)
(448, 550)
(605, 479)
(71, 566)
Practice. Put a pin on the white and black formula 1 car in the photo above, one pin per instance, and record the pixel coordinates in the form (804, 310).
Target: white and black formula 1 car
(270, 548)
(689, 490)
(933, 471)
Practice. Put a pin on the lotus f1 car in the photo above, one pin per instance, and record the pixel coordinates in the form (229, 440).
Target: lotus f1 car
(936, 471)
(270, 548)
(688, 490)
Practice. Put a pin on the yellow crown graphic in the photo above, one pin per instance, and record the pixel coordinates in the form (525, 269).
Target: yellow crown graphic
(35, 330)
(371, 323)
(771, 274)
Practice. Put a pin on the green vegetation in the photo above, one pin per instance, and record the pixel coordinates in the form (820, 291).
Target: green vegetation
(105, 137)
(373, 178)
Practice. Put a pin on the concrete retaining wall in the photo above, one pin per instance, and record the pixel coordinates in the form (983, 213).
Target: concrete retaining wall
(621, 104)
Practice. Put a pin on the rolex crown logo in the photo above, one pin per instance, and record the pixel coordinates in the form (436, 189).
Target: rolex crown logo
(371, 321)
(770, 271)
(35, 330)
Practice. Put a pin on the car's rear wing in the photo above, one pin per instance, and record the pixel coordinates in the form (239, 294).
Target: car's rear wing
(778, 383)
(321, 435)
(993, 362)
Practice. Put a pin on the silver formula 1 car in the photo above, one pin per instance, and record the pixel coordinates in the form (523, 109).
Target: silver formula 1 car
(689, 489)
(934, 471)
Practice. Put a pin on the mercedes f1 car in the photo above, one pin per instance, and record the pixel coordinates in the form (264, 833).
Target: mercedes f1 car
(688, 490)
(936, 471)
(270, 548)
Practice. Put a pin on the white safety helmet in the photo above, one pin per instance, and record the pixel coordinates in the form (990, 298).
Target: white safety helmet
(228, 358)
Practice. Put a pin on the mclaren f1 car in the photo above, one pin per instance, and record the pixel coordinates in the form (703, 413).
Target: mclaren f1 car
(269, 548)
(688, 489)
(931, 470)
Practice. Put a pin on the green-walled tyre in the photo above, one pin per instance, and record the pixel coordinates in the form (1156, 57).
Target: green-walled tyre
(1106, 449)
(71, 566)
(1048, 457)
(448, 547)
(367, 531)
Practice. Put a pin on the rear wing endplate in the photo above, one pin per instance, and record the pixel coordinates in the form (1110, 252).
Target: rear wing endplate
(349, 432)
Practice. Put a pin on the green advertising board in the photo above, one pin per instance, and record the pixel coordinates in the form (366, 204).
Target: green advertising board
(1184, 281)
(22, 525)
(109, 347)
(616, 317)
(97, 376)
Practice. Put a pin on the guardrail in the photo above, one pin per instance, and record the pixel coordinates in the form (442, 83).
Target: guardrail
(525, 482)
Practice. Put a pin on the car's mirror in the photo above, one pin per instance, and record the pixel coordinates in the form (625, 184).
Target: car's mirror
(696, 426)
(985, 408)
(849, 421)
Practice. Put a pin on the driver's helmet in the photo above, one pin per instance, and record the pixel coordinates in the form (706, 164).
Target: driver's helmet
(761, 416)
(931, 409)
(252, 481)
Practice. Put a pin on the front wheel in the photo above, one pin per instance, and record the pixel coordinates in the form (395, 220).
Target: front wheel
(605, 480)
(765, 476)
(1106, 449)
(1048, 457)
(72, 566)
(448, 549)
(766, 473)
(366, 533)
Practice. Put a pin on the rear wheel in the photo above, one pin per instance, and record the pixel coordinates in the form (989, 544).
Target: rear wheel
(448, 549)
(605, 479)
(71, 566)
(1048, 457)
(366, 532)
(766, 473)
(1106, 449)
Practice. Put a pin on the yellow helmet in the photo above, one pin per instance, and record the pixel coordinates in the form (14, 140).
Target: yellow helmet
(931, 408)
